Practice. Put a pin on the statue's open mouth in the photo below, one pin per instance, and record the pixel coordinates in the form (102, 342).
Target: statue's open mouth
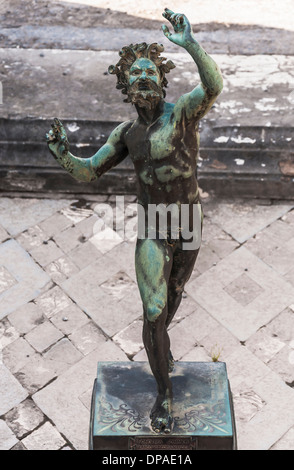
(143, 86)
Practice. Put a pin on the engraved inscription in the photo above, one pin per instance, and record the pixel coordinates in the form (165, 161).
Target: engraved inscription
(164, 443)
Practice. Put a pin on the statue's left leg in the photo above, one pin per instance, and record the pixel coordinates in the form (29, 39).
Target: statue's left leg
(184, 257)
(183, 264)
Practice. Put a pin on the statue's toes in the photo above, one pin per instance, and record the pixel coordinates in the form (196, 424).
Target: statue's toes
(162, 425)
(156, 426)
(168, 425)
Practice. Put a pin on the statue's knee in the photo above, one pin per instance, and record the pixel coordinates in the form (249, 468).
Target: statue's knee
(153, 312)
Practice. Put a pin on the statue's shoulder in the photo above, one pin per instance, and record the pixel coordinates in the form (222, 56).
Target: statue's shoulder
(169, 107)
(122, 128)
(168, 111)
(125, 126)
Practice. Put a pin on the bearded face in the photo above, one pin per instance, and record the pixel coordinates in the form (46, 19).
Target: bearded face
(144, 84)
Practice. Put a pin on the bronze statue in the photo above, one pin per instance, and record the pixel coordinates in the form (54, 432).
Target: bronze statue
(163, 143)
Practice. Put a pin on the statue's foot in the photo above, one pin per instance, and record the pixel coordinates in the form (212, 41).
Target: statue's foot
(161, 417)
(171, 362)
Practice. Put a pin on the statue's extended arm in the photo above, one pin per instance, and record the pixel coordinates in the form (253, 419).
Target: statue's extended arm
(200, 100)
(87, 169)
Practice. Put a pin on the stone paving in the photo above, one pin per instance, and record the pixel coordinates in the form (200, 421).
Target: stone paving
(68, 299)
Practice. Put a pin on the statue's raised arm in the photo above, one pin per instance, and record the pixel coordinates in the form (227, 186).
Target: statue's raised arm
(198, 102)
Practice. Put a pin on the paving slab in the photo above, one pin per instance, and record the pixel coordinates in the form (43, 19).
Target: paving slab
(43, 336)
(286, 442)
(22, 279)
(282, 326)
(17, 354)
(44, 438)
(25, 318)
(12, 393)
(8, 334)
(53, 301)
(264, 345)
(61, 269)
(7, 438)
(69, 319)
(24, 418)
(87, 337)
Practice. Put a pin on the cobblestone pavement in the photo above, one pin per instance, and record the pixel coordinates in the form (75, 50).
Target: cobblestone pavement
(69, 299)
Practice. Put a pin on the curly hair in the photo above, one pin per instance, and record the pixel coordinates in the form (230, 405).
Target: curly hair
(129, 54)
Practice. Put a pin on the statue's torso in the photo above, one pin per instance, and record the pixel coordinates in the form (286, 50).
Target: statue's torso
(165, 158)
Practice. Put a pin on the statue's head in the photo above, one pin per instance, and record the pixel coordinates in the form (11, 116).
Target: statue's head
(141, 74)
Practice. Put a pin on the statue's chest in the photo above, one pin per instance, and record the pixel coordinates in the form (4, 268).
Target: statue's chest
(153, 142)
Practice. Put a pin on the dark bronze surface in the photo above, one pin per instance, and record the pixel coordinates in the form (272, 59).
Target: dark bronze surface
(202, 408)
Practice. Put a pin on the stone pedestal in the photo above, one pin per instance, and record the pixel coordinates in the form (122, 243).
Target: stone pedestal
(124, 393)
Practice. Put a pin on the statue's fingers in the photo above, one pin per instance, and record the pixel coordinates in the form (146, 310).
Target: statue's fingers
(50, 136)
(57, 126)
(55, 130)
(165, 30)
(168, 12)
(64, 143)
(57, 122)
(180, 18)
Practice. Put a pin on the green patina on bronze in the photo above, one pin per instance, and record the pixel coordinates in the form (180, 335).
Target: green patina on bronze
(163, 143)
(150, 261)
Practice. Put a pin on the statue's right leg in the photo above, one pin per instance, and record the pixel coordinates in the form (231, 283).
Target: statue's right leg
(153, 267)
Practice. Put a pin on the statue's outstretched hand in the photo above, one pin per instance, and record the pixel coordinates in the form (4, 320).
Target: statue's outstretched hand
(182, 35)
(57, 139)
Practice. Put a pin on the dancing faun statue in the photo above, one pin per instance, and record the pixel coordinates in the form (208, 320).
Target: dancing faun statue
(163, 143)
